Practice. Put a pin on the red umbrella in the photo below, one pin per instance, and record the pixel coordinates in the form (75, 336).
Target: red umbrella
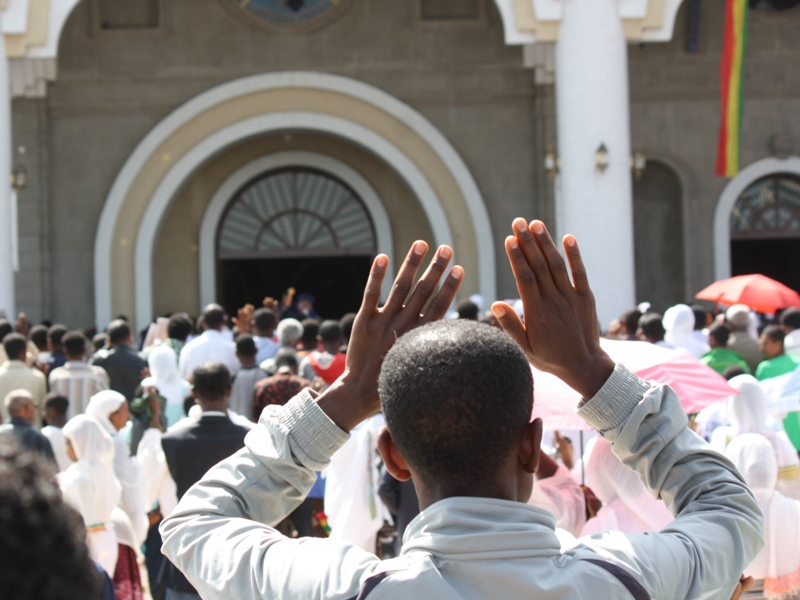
(760, 293)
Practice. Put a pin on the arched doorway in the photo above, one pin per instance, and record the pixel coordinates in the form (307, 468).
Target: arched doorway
(658, 237)
(765, 229)
(298, 228)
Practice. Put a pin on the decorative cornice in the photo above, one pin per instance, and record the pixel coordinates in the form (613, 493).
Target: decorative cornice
(531, 21)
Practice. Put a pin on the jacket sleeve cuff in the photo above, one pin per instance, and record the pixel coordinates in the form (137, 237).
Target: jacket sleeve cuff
(615, 401)
(313, 433)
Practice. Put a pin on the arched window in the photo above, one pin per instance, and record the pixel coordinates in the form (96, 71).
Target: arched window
(296, 212)
(768, 208)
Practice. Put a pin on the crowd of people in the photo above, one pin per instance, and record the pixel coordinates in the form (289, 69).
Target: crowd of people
(126, 427)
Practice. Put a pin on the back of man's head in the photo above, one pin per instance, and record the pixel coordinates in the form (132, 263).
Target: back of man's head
(118, 332)
(264, 321)
(15, 345)
(74, 344)
(631, 320)
(5, 328)
(289, 332)
(179, 327)
(286, 358)
(310, 333)
(738, 316)
(720, 334)
(700, 316)
(467, 309)
(652, 327)
(330, 332)
(456, 396)
(212, 383)
(54, 335)
(213, 316)
(246, 345)
(19, 403)
(790, 319)
(346, 323)
(38, 336)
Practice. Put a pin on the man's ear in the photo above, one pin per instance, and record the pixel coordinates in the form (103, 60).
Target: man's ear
(394, 461)
(531, 446)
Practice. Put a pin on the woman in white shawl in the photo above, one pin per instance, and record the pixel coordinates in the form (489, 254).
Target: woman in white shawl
(111, 410)
(778, 563)
(129, 518)
(747, 412)
(89, 486)
(679, 327)
(165, 377)
(627, 505)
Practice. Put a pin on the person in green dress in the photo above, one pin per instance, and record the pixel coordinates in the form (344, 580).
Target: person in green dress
(775, 364)
(720, 357)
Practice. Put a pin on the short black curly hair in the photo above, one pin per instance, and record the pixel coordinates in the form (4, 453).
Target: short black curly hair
(456, 396)
(42, 540)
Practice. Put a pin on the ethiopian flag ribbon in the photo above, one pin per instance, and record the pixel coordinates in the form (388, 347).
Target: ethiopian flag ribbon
(731, 79)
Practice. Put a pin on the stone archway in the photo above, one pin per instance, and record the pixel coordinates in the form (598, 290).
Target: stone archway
(260, 105)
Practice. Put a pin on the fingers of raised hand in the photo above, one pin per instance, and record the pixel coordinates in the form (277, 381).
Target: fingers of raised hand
(372, 291)
(426, 285)
(533, 254)
(444, 298)
(555, 262)
(576, 266)
(523, 273)
(405, 277)
(510, 322)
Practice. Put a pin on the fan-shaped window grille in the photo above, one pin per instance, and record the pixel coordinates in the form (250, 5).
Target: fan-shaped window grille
(294, 213)
(768, 208)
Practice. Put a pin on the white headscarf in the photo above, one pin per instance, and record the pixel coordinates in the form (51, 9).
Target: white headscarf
(94, 449)
(778, 563)
(126, 469)
(102, 405)
(164, 375)
(627, 505)
(747, 411)
(679, 326)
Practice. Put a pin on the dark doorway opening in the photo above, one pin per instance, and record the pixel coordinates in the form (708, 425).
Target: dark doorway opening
(776, 258)
(337, 283)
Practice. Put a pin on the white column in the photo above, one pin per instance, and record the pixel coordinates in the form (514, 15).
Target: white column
(6, 225)
(592, 109)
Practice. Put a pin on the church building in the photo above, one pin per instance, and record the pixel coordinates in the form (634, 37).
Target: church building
(165, 154)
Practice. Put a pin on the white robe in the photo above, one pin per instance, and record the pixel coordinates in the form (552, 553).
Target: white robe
(354, 509)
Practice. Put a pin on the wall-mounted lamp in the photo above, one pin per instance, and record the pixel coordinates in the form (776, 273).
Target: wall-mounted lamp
(638, 164)
(19, 176)
(551, 164)
(601, 158)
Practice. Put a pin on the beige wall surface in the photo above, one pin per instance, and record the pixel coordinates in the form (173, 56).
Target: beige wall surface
(176, 275)
(115, 85)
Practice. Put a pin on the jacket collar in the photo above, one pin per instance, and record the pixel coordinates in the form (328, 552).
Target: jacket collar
(482, 528)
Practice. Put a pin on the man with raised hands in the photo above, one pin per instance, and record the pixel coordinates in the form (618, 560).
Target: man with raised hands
(457, 398)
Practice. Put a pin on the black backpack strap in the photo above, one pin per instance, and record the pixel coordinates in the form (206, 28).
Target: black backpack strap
(370, 584)
(634, 587)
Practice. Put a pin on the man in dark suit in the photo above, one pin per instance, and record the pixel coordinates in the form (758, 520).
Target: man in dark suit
(193, 449)
(122, 363)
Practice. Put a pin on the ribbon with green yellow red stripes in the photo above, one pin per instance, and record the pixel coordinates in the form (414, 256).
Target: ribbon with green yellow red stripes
(731, 80)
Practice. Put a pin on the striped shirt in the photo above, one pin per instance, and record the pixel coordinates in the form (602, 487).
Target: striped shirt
(78, 382)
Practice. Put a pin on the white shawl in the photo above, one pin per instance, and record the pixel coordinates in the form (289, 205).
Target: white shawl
(778, 563)
(126, 469)
(627, 505)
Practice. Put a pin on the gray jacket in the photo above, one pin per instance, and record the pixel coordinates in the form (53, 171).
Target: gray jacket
(221, 534)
